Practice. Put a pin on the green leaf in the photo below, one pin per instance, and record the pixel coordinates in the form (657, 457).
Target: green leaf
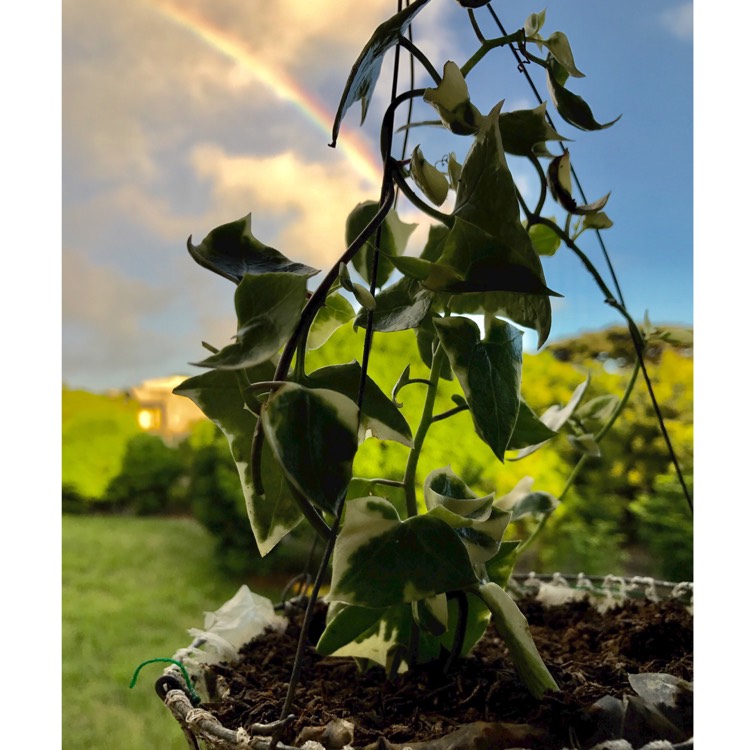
(489, 372)
(436, 237)
(313, 435)
(524, 129)
(597, 220)
(556, 416)
(217, 394)
(572, 108)
(364, 74)
(545, 240)
(514, 630)
(268, 306)
(394, 234)
(232, 251)
(401, 306)
(426, 339)
(336, 312)
(475, 261)
(451, 100)
(379, 414)
(486, 198)
(379, 561)
(500, 568)
(529, 429)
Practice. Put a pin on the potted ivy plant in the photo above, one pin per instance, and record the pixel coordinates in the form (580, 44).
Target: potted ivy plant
(416, 571)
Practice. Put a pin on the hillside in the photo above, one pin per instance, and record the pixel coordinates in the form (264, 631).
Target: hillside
(95, 430)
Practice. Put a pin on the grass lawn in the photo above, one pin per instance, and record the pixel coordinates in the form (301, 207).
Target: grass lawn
(131, 589)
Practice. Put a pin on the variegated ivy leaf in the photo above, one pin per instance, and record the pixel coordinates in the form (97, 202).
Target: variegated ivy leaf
(514, 630)
(598, 410)
(268, 307)
(232, 251)
(427, 340)
(379, 635)
(560, 185)
(572, 108)
(364, 74)
(430, 180)
(486, 198)
(598, 220)
(313, 435)
(556, 416)
(401, 306)
(524, 129)
(454, 171)
(585, 444)
(521, 501)
(489, 371)
(559, 47)
(380, 561)
(475, 520)
(451, 100)
(361, 294)
(529, 429)
(431, 614)
(380, 416)
(217, 394)
(474, 261)
(442, 487)
(393, 233)
(533, 24)
(336, 312)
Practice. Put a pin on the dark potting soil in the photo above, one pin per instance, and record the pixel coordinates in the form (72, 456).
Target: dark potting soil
(589, 653)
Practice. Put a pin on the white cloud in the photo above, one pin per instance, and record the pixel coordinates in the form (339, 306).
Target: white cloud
(312, 199)
(678, 21)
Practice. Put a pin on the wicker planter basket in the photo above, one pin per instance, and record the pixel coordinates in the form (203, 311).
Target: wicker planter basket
(203, 730)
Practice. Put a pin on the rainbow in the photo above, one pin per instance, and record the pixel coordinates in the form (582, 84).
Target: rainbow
(285, 87)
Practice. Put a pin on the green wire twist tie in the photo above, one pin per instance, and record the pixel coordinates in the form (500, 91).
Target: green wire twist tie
(191, 691)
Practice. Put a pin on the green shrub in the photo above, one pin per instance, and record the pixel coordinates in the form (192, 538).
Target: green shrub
(148, 481)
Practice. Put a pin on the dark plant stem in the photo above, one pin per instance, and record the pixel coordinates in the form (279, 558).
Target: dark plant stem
(449, 413)
(459, 636)
(583, 460)
(638, 344)
(387, 198)
(487, 46)
(316, 301)
(406, 189)
(419, 55)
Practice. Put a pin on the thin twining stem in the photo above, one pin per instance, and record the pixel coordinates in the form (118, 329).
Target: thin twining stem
(488, 45)
(638, 344)
(584, 458)
(419, 55)
(407, 190)
(316, 301)
(387, 198)
(529, 80)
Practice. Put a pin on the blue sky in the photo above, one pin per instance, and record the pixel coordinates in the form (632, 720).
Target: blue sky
(169, 130)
